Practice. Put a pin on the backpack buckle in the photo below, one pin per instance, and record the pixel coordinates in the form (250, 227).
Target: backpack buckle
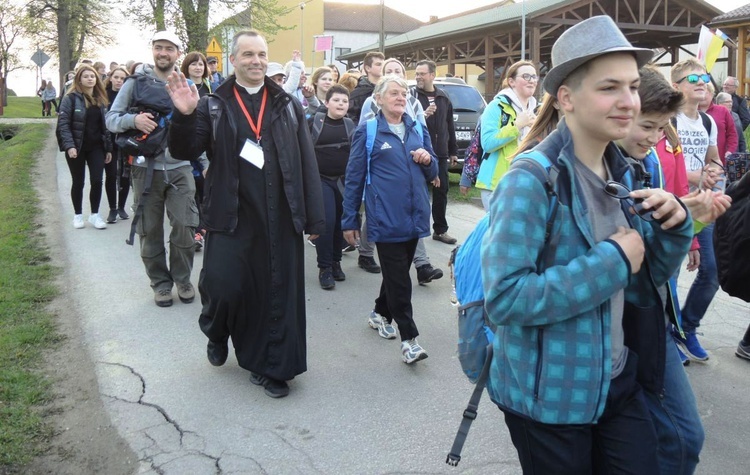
(470, 414)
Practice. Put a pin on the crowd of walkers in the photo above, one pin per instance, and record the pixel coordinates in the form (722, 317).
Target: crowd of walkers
(591, 341)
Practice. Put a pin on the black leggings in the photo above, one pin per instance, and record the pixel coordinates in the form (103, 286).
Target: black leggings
(115, 182)
(95, 161)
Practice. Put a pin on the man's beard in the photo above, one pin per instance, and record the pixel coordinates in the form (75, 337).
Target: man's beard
(166, 70)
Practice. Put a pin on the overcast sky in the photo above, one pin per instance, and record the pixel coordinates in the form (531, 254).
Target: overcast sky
(134, 43)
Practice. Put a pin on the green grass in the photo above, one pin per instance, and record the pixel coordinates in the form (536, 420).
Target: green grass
(454, 193)
(27, 329)
(24, 108)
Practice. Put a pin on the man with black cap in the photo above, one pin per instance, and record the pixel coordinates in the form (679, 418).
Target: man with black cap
(565, 304)
(213, 70)
(160, 182)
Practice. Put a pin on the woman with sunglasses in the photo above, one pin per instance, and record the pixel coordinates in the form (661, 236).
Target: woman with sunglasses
(505, 122)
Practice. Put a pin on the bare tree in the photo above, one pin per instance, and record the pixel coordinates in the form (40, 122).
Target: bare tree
(190, 18)
(78, 24)
(14, 23)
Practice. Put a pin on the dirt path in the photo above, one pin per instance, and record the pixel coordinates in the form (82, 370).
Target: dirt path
(85, 441)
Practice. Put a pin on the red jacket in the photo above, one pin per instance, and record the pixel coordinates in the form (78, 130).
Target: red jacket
(675, 174)
(726, 133)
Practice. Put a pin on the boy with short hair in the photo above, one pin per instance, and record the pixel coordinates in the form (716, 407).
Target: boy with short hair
(561, 373)
(697, 132)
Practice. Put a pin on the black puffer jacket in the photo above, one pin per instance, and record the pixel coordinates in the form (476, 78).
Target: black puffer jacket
(72, 121)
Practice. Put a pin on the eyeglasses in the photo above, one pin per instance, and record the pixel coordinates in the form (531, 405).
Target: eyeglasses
(529, 77)
(694, 78)
(622, 192)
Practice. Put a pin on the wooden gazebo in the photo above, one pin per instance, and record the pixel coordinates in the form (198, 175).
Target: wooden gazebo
(491, 38)
(736, 24)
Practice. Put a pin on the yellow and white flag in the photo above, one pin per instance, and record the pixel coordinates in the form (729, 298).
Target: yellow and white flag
(709, 46)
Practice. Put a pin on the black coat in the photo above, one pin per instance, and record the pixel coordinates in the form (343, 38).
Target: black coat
(739, 106)
(191, 135)
(441, 125)
(358, 97)
(71, 123)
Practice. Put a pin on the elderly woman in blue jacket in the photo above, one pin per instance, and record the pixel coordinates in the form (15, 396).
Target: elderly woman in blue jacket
(391, 162)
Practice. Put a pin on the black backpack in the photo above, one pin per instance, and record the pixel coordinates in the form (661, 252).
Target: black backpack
(317, 127)
(149, 96)
(732, 241)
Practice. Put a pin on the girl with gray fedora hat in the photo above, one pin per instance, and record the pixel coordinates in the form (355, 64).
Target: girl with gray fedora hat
(562, 375)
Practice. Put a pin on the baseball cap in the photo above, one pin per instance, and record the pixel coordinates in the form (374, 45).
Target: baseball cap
(274, 69)
(212, 59)
(167, 36)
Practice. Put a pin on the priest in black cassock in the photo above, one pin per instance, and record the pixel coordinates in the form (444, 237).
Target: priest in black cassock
(262, 193)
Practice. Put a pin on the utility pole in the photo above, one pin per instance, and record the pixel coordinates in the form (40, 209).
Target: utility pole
(382, 26)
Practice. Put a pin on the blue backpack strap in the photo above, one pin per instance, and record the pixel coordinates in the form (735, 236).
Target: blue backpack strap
(539, 165)
(372, 130)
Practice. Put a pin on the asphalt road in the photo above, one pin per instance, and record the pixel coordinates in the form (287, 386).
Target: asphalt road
(358, 409)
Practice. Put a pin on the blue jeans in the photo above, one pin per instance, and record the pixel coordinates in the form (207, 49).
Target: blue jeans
(675, 416)
(704, 286)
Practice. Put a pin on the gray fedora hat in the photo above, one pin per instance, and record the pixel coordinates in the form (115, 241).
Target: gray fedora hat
(585, 41)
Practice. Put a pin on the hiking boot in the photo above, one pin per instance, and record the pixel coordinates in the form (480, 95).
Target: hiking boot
(186, 292)
(199, 242)
(427, 273)
(444, 238)
(380, 323)
(411, 351)
(122, 214)
(690, 346)
(112, 216)
(338, 274)
(273, 387)
(325, 277)
(97, 221)
(163, 297)
(78, 221)
(743, 351)
(368, 264)
(217, 352)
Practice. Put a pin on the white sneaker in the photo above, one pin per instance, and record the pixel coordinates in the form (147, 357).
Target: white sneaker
(385, 329)
(97, 221)
(78, 221)
(411, 351)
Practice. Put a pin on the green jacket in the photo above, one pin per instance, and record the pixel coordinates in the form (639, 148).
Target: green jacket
(499, 140)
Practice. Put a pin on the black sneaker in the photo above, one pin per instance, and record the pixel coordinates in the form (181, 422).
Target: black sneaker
(273, 387)
(427, 273)
(112, 216)
(325, 276)
(369, 264)
(122, 214)
(348, 248)
(217, 352)
(338, 274)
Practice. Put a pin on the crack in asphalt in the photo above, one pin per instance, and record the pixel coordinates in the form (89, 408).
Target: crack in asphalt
(150, 459)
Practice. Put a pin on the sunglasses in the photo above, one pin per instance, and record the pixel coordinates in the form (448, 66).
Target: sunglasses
(529, 77)
(694, 78)
(622, 192)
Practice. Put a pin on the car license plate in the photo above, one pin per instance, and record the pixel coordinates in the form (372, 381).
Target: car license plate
(463, 135)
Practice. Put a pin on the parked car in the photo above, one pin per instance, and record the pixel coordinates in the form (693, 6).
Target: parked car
(468, 105)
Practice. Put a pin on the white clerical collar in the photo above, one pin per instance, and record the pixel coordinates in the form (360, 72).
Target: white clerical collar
(250, 90)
